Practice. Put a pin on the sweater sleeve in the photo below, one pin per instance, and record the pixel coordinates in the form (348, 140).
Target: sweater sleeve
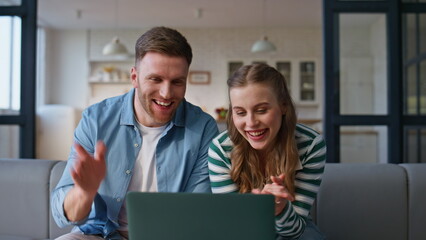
(291, 222)
(220, 165)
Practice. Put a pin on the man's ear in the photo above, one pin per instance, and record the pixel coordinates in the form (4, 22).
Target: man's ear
(134, 77)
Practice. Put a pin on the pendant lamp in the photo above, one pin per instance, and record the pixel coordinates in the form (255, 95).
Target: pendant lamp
(115, 47)
(263, 45)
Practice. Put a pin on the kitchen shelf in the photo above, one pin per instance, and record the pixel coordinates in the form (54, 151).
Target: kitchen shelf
(108, 78)
(105, 83)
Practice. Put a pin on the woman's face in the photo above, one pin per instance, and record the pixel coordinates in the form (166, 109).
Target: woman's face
(257, 114)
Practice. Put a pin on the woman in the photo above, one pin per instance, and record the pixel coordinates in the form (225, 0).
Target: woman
(264, 151)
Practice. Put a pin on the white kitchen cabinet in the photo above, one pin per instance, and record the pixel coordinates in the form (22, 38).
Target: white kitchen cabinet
(307, 81)
(301, 75)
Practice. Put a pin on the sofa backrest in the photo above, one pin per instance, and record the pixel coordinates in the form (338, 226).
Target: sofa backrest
(355, 201)
(24, 197)
(363, 201)
(54, 230)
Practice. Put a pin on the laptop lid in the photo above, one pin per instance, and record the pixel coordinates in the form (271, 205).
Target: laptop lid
(204, 216)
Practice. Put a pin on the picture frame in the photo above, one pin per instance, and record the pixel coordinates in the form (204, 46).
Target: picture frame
(199, 77)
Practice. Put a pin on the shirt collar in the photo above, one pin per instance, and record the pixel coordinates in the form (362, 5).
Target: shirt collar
(179, 118)
(127, 112)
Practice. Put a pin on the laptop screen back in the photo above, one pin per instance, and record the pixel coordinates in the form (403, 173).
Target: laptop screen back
(204, 216)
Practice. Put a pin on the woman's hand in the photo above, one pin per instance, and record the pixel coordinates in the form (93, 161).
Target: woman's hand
(277, 189)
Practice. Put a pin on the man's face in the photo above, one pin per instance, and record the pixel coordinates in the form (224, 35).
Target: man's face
(160, 83)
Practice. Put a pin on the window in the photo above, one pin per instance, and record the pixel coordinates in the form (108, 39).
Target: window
(18, 21)
(363, 64)
(373, 95)
(10, 2)
(10, 64)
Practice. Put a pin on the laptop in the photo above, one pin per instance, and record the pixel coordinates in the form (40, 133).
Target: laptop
(185, 216)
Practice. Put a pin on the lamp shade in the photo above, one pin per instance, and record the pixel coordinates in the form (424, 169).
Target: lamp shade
(115, 48)
(263, 45)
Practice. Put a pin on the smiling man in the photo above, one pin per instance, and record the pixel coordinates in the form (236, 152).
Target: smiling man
(159, 90)
(150, 139)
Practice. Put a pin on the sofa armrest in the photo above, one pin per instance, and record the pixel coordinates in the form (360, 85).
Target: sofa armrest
(416, 174)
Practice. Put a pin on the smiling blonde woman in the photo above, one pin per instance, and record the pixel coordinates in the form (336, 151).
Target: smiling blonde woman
(265, 151)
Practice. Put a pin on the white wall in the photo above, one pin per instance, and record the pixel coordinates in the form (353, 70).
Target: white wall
(69, 52)
(214, 48)
(66, 68)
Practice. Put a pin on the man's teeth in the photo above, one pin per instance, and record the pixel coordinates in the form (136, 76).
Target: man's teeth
(163, 103)
(256, 133)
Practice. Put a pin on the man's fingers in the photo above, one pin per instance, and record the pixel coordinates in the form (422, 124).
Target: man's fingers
(82, 153)
(75, 176)
(100, 151)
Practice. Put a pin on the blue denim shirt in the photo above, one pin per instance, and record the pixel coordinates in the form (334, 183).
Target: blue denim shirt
(181, 158)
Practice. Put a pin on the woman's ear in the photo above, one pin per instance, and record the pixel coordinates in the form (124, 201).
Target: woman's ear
(283, 109)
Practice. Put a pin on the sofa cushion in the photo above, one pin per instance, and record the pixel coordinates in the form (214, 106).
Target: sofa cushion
(416, 173)
(363, 201)
(24, 197)
(8, 237)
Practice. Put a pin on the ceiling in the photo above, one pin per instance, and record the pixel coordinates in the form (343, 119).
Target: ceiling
(136, 14)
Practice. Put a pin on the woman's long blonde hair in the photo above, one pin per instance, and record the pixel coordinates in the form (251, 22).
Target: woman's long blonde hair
(247, 167)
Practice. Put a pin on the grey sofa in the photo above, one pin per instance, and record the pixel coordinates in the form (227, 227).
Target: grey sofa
(25, 186)
(356, 201)
(372, 201)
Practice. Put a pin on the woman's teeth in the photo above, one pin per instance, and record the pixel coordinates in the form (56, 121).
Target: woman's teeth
(255, 134)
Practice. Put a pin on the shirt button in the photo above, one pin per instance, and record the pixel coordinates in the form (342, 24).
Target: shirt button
(105, 231)
(128, 171)
(118, 199)
(136, 145)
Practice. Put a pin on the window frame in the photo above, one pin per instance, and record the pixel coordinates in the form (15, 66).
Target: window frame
(27, 11)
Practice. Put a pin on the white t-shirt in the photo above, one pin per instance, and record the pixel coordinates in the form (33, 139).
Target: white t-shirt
(144, 177)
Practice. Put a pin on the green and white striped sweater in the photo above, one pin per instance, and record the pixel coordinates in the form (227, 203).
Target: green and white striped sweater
(291, 222)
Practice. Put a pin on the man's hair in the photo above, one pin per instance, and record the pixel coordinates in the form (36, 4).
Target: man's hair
(165, 41)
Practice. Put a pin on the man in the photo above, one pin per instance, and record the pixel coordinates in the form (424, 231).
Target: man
(149, 139)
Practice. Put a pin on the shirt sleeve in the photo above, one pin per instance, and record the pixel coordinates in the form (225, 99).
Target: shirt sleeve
(199, 180)
(66, 183)
(220, 167)
(291, 222)
(58, 213)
